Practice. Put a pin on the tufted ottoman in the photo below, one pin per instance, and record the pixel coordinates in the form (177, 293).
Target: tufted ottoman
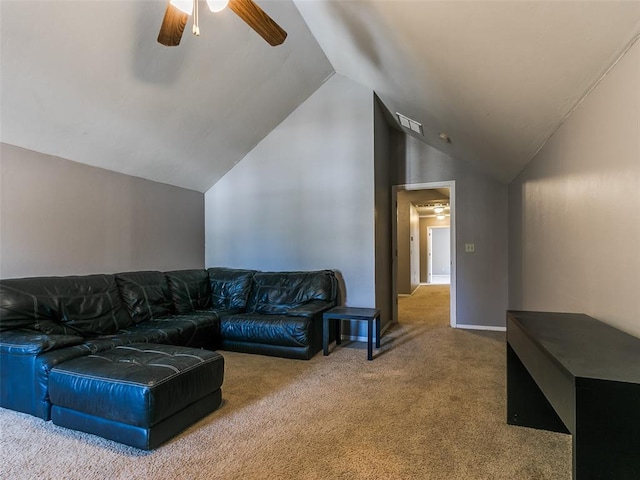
(140, 394)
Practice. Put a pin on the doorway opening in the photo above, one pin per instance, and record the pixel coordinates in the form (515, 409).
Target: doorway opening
(422, 282)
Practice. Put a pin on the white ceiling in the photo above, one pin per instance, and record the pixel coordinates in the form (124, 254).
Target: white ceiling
(498, 77)
(87, 81)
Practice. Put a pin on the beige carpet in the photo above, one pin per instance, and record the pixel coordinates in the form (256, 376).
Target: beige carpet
(431, 405)
(429, 305)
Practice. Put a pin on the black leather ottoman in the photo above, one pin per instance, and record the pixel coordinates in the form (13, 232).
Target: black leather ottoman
(140, 395)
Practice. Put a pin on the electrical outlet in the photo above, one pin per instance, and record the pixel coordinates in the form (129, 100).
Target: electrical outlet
(469, 247)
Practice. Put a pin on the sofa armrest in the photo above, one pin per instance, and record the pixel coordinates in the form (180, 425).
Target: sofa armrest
(310, 309)
(25, 342)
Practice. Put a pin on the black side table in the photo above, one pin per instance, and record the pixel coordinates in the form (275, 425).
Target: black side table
(371, 315)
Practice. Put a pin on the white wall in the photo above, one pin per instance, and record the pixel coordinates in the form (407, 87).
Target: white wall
(303, 199)
(426, 222)
(575, 210)
(481, 218)
(59, 217)
(441, 251)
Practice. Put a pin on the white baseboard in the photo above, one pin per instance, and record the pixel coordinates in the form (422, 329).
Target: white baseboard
(482, 327)
(491, 328)
(412, 292)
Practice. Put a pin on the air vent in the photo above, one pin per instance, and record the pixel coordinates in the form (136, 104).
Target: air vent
(412, 125)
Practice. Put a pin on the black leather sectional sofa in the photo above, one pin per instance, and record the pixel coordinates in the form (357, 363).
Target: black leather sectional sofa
(47, 321)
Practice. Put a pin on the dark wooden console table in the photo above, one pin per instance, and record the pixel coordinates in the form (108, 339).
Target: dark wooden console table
(571, 373)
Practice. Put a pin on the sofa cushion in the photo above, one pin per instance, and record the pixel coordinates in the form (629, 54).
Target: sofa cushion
(266, 329)
(184, 330)
(190, 290)
(26, 342)
(83, 305)
(145, 294)
(198, 330)
(230, 287)
(278, 292)
(123, 337)
(25, 304)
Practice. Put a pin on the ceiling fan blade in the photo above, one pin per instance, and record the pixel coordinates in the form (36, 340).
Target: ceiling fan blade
(262, 23)
(172, 26)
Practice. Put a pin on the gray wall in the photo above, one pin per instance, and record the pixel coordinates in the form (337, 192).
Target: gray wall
(575, 210)
(383, 229)
(59, 217)
(481, 218)
(303, 199)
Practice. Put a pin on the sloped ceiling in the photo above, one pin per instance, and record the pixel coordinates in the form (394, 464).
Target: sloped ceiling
(86, 80)
(498, 77)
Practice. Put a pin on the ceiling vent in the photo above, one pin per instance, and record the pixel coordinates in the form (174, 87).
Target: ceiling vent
(412, 125)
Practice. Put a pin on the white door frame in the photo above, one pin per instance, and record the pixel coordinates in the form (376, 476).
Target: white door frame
(451, 185)
(429, 255)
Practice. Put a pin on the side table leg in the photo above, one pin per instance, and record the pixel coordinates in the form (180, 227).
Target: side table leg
(338, 334)
(378, 331)
(370, 339)
(325, 336)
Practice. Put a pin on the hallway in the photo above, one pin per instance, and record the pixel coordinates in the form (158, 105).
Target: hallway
(429, 305)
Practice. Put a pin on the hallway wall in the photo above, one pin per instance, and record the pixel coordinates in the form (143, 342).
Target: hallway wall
(575, 210)
(481, 218)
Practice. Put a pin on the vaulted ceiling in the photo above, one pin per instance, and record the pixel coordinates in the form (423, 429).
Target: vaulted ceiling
(87, 81)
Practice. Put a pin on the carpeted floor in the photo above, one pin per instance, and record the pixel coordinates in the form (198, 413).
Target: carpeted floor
(431, 405)
(429, 305)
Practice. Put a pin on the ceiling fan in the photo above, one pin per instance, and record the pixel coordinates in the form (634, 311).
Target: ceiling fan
(178, 11)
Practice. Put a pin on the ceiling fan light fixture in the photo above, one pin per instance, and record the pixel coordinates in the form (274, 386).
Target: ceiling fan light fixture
(217, 5)
(177, 13)
(440, 216)
(185, 6)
